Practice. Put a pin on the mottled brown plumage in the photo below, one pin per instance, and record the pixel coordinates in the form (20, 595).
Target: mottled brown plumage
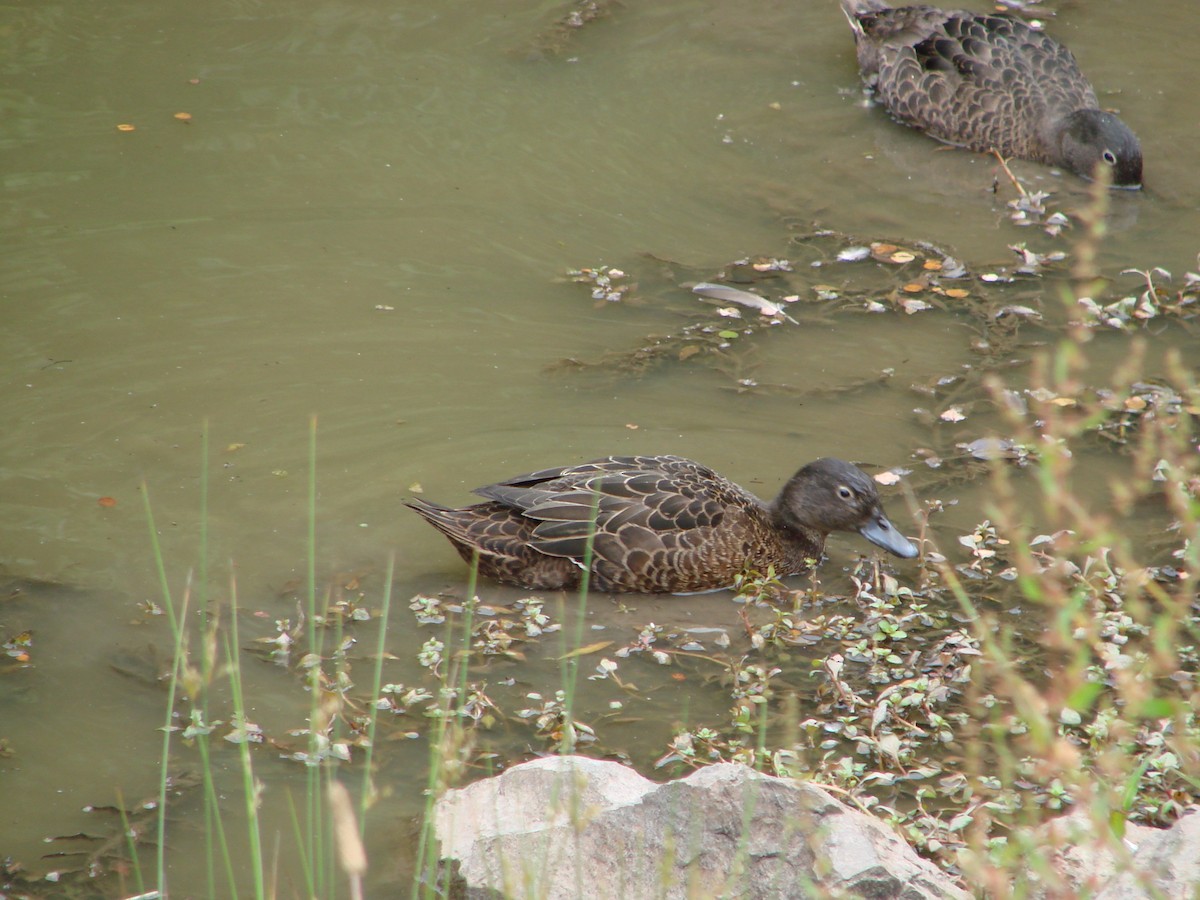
(989, 82)
(663, 524)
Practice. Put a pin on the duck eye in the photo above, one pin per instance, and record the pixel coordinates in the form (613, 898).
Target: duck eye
(844, 492)
(1109, 157)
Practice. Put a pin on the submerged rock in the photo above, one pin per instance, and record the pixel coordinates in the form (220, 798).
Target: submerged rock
(567, 827)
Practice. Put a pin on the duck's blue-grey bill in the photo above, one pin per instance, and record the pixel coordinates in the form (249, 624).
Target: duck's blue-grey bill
(883, 533)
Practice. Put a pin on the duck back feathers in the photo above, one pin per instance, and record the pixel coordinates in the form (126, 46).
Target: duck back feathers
(989, 82)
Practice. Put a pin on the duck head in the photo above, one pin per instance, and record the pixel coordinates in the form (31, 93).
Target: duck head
(1092, 137)
(833, 495)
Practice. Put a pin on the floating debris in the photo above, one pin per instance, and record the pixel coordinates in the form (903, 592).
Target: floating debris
(609, 285)
(913, 306)
(1152, 303)
(555, 39)
(1022, 312)
(890, 253)
(745, 298)
(1032, 263)
(1055, 223)
(18, 646)
(768, 264)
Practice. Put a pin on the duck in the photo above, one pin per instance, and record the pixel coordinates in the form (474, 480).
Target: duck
(663, 525)
(989, 83)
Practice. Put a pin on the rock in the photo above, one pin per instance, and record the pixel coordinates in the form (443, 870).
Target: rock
(1149, 863)
(1080, 863)
(1166, 864)
(567, 827)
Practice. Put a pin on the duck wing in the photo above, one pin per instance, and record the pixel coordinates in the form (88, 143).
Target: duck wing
(646, 501)
(499, 538)
(978, 81)
(660, 522)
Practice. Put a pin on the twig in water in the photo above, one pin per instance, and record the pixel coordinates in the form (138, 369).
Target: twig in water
(1008, 172)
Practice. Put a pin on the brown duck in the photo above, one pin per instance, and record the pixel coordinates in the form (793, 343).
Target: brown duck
(663, 524)
(989, 82)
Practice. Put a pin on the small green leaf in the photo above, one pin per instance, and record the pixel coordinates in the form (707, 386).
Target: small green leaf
(1084, 696)
(1158, 708)
(728, 335)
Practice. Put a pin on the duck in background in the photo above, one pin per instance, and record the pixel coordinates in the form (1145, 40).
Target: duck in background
(989, 82)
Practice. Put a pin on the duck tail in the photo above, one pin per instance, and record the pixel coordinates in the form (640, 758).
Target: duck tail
(443, 518)
(854, 10)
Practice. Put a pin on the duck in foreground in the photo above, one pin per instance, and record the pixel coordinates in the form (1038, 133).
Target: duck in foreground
(989, 82)
(663, 524)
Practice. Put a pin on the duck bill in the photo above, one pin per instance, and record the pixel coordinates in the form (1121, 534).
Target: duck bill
(883, 533)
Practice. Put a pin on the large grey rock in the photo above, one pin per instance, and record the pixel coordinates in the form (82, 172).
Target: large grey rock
(572, 827)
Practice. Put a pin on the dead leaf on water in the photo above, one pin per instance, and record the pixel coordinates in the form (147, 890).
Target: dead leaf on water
(1024, 312)
(126, 127)
(914, 306)
(953, 414)
(890, 253)
(17, 647)
(992, 448)
(107, 502)
(956, 293)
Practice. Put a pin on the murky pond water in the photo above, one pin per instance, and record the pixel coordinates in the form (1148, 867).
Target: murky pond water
(367, 218)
